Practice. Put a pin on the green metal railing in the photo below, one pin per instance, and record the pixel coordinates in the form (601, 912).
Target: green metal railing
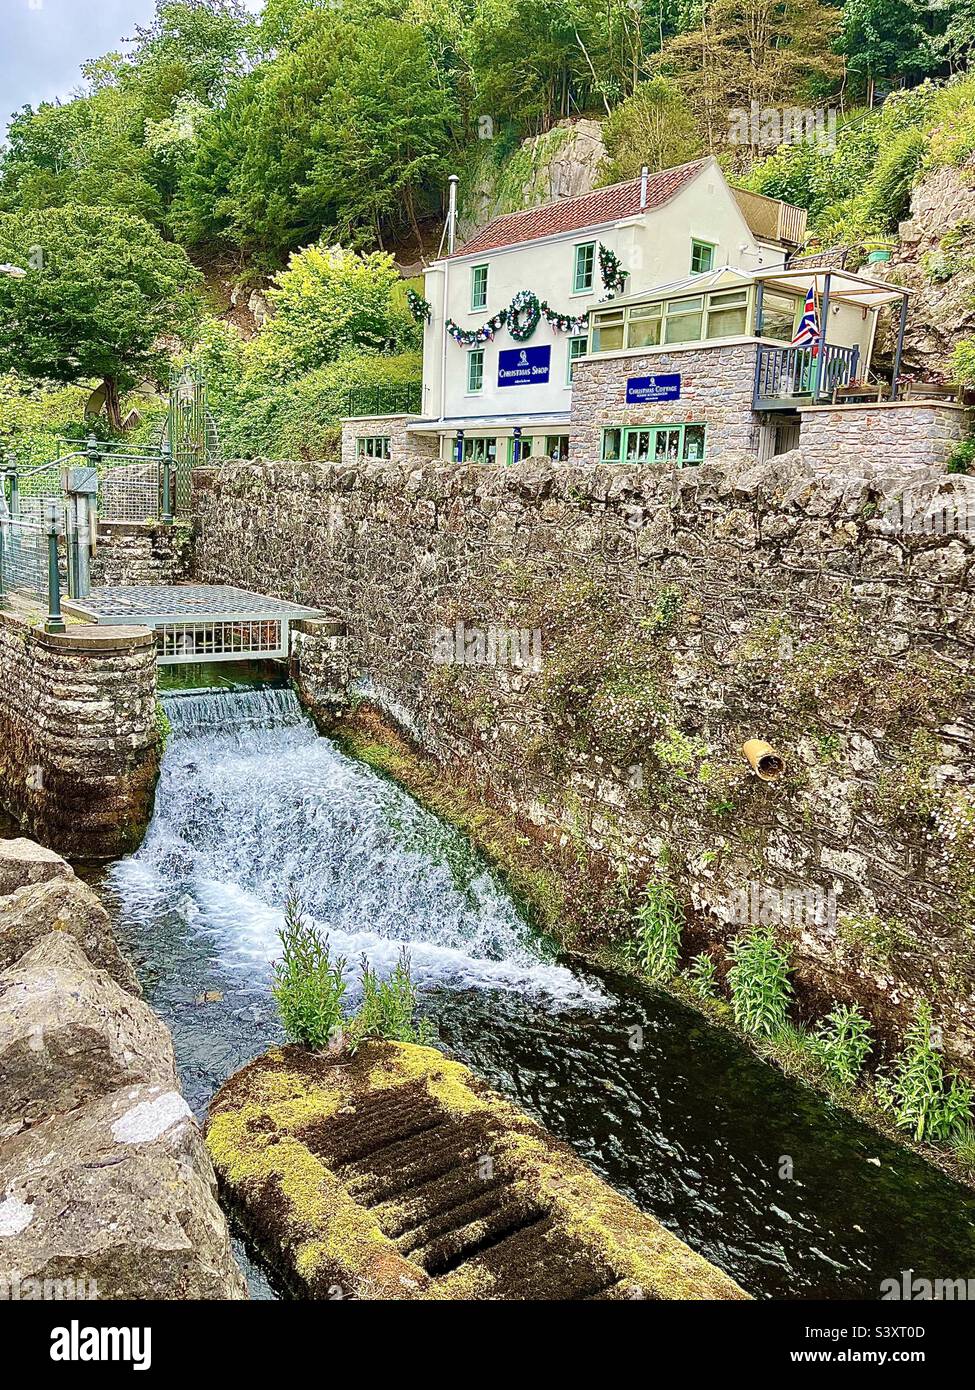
(30, 561)
(384, 400)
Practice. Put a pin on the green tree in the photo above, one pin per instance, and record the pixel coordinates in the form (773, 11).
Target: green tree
(885, 39)
(102, 287)
(330, 301)
(655, 126)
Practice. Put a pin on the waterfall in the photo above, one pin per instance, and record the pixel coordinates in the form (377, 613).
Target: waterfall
(253, 806)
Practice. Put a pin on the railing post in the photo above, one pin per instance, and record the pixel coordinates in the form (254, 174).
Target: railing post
(55, 620)
(14, 477)
(3, 528)
(167, 483)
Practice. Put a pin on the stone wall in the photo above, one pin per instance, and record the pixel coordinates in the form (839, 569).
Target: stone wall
(142, 553)
(901, 435)
(106, 1190)
(675, 615)
(716, 389)
(79, 741)
(402, 446)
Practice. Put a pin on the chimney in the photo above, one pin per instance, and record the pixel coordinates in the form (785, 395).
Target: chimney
(452, 215)
(644, 176)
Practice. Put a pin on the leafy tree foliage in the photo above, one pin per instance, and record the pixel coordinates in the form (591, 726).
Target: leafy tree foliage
(654, 127)
(101, 289)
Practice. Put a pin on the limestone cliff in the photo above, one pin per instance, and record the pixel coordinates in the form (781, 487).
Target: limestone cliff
(562, 163)
(935, 259)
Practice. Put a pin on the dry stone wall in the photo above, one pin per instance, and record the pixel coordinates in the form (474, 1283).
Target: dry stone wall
(593, 645)
(143, 553)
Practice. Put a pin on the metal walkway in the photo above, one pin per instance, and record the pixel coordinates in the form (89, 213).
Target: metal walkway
(197, 622)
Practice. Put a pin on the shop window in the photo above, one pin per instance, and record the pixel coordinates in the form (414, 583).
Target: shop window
(675, 446)
(479, 450)
(520, 448)
(557, 447)
(373, 446)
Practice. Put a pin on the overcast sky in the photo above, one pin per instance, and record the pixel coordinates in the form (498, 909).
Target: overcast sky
(44, 42)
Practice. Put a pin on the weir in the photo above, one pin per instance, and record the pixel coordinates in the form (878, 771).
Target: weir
(253, 804)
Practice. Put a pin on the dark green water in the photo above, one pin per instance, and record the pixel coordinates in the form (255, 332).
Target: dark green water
(793, 1197)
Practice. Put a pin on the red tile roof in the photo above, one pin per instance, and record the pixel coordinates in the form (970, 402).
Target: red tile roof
(588, 210)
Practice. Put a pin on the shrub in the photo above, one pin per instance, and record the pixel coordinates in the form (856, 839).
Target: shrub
(655, 126)
(841, 1044)
(388, 1008)
(759, 982)
(916, 1091)
(309, 984)
(655, 946)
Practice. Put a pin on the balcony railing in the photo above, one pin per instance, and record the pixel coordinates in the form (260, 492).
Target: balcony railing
(792, 375)
(383, 400)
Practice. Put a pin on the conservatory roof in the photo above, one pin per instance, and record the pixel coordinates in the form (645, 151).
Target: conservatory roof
(844, 285)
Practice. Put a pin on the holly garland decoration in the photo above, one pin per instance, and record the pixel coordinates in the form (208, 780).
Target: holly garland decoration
(611, 270)
(419, 307)
(521, 318)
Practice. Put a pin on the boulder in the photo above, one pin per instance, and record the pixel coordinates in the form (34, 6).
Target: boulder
(23, 861)
(115, 1201)
(69, 1033)
(68, 905)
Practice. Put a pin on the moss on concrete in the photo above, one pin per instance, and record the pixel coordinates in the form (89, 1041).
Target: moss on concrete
(397, 1174)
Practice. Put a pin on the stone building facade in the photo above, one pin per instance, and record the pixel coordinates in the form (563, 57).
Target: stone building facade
(392, 428)
(680, 613)
(716, 385)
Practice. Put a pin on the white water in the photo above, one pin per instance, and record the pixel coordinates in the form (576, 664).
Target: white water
(253, 805)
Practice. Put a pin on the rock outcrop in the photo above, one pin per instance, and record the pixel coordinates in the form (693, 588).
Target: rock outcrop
(935, 259)
(396, 1174)
(561, 163)
(106, 1190)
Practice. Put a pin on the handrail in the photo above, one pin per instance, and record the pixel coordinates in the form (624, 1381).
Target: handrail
(800, 373)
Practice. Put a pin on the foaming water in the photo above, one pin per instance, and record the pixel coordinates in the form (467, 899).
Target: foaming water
(673, 1112)
(253, 806)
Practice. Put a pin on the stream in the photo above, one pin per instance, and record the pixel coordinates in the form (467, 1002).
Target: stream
(790, 1195)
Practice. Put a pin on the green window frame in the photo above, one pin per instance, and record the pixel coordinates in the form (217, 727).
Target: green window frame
(475, 371)
(578, 347)
(479, 287)
(520, 448)
(480, 449)
(584, 273)
(373, 446)
(702, 257)
(669, 445)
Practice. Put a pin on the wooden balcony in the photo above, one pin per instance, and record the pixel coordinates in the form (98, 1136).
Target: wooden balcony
(789, 376)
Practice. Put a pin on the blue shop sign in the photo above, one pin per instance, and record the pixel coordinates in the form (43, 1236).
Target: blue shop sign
(643, 390)
(524, 366)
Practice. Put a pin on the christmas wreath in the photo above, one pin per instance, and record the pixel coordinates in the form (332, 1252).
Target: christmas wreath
(524, 314)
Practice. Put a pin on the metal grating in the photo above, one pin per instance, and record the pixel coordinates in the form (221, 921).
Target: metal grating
(130, 492)
(199, 622)
(23, 558)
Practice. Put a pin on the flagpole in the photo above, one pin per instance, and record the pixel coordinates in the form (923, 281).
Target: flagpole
(824, 311)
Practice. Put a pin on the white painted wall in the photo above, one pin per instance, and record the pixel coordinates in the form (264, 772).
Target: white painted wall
(654, 247)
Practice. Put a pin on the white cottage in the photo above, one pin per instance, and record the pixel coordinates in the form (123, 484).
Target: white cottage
(509, 310)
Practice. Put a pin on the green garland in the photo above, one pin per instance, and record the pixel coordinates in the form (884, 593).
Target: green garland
(419, 307)
(521, 318)
(611, 270)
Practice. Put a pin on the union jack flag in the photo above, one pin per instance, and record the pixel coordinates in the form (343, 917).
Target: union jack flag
(807, 334)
